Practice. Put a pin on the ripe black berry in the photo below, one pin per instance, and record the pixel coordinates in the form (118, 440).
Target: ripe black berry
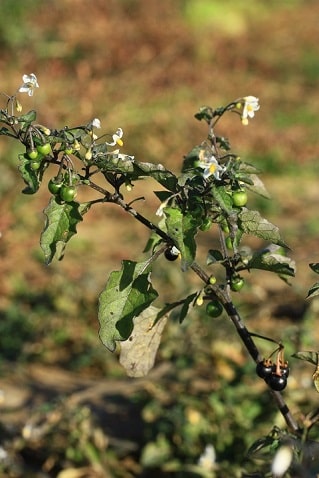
(264, 368)
(277, 382)
(171, 253)
(284, 370)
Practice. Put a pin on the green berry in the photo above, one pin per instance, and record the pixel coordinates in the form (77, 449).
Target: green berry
(214, 308)
(44, 149)
(237, 283)
(239, 198)
(35, 165)
(32, 154)
(67, 193)
(54, 185)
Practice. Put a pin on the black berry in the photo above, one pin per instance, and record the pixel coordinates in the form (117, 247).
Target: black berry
(264, 368)
(277, 382)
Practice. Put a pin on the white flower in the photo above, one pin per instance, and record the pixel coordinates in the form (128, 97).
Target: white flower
(251, 104)
(208, 458)
(281, 461)
(30, 82)
(211, 167)
(96, 123)
(116, 138)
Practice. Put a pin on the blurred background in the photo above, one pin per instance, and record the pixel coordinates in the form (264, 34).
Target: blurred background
(147, 67)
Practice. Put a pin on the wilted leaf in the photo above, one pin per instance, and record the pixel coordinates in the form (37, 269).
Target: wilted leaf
(251, 222)
(60, 226)
(127, 293)
(138, 352)
(182, 229)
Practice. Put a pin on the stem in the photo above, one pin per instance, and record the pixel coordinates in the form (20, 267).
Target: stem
(118, 200)
(222, 295)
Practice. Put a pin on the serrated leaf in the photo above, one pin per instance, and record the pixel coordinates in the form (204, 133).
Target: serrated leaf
(127, 293)
(182, 228)
(60, 226)
(29, 176)
(138, 352)
(307, 356)
(313, 291)
(251, 222)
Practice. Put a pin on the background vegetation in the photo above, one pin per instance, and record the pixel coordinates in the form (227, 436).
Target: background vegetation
(147, 66)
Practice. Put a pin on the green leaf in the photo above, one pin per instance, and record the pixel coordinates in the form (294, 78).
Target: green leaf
(251, 222)
(205, 113)
(5, 131)
(309, 356)
(138, 352)
(270, 260)
(213, 256)
(313, 291)
(29, 176)
(127, 293)
(158, 172)
(185, 307)
(222, 197)
(182, 228)
(28, 117)
(60, 226)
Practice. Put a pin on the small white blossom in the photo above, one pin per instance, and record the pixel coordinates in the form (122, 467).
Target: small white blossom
(251, 104)
(211, 167)
(282, 461)
(207, 459)
(30, 82)
(116, 138)
(96, 123)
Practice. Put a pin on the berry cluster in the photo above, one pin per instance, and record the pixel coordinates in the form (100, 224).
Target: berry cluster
(274, 374)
